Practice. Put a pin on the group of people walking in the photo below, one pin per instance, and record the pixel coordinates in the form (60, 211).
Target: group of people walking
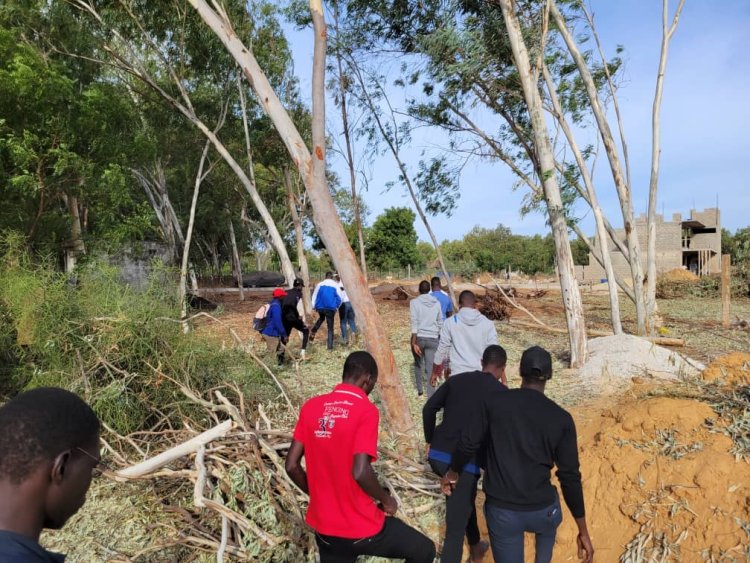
(283, 314)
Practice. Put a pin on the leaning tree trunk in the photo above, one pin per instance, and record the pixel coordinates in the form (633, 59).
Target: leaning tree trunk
(74, 246)
(236, 261)
(326, 219)
(623, 189)
(566, 272)
(300, 239)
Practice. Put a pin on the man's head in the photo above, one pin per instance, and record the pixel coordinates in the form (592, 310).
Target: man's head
(361, 370)
(435, 283)
(424, 287)
(494, 360)
(329, 275)
(536, 366)
(298, 282)
(467, 299)
(49, 446)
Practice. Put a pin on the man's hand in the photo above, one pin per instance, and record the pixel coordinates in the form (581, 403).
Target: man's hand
(448, 482)
(437, 371)
(390, 506)
(585, 548)
(416, 349)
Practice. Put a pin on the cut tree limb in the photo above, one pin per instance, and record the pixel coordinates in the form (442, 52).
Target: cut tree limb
(162, 459)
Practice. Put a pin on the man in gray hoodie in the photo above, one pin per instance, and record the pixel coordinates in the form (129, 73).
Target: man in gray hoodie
(463, 339)
(426, 320)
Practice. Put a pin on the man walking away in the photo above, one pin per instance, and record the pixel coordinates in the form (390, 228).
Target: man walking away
(464, 338)
(290, 316)
(326, 301)
(426, 320)
(526, 434)
(446, 305)
(458, 399)
(49, 449)
(274, 332)
(337, 434)
(346, 314)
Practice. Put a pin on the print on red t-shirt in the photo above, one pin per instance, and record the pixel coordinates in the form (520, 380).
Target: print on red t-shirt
(333, 428)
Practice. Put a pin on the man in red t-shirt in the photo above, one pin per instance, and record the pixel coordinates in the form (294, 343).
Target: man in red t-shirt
(337, 433)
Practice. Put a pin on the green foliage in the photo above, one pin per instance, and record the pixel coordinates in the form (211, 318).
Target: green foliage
(393, 240)
(580, 252)
(117, 348)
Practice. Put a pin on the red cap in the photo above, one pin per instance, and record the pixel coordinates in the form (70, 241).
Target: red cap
(278, 292)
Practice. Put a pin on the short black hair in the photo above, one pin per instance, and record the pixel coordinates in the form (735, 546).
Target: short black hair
(298, 282)
(358, 364)
(435, 281)
(467, 298)
(39, 424)
(494, 355)
(329, 275)
(424, 287)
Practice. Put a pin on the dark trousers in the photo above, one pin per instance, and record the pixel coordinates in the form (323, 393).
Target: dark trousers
(396, 540)
(460, 514)
(347, 320)
(329, 315)
(289, 324)
(507, 527)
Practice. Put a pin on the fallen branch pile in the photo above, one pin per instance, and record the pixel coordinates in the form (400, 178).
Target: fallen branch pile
(494, 306)
(243, 505)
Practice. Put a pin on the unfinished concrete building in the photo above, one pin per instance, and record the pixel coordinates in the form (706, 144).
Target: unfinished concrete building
(693, 244)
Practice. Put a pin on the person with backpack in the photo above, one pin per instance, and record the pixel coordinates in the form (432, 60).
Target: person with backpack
(326, 301)
(274, 332)
(290, 316)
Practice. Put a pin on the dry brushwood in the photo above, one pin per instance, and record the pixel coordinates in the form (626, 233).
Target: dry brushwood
(741, 324)
(238, 501)
(494, 306)
(399, 294)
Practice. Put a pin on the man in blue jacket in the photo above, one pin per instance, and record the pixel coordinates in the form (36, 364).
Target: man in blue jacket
(274, 333)
(326, 300)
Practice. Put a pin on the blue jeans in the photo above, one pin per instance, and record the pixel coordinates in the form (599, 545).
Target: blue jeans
(506, 528)
(346, 317)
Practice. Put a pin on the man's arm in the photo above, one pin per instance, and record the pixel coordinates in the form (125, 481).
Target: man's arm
(472, 437)
(569, 475)
(413, 313)
(314, 297)
(365, 477)
(441, 355)
(430, 410)
(293, 465)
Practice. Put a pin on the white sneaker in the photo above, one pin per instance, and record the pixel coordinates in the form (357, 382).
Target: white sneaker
(302, 354)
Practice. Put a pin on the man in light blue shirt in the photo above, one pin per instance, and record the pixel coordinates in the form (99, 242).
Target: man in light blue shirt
(446, 305)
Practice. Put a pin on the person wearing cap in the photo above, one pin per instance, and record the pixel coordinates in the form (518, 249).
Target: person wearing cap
(458, 399)
(290, 316)
(274, 332)
(326, 300)
(347, 318)
(525, 434)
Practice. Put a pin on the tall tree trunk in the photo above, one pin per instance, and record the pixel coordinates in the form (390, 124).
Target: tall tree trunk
(348, 142)
(74, 246)
(568, 284)
(325, 217)
(623, 189)
(182, 290)
(300, 239)
(653, 320)
(601, 233)
(237, 265)
(406, 178)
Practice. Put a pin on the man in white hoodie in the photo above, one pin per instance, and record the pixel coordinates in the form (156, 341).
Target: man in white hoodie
(463, 339)
(426, 320)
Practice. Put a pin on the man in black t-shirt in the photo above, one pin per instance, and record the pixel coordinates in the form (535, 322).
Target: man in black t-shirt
(290, 317)
(525, 433)
(458, 398)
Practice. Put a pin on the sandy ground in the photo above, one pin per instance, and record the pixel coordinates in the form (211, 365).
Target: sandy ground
(657, 474)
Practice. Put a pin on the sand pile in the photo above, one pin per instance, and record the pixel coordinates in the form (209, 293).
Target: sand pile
(679, 274)
(622, 357)
(658, 483)
(731, 370)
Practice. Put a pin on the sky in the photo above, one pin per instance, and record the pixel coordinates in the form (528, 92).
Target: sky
(704, 124)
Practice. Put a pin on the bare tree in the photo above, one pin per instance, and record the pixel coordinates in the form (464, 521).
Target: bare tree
(568, 285)
(312, 170)
(293, 202)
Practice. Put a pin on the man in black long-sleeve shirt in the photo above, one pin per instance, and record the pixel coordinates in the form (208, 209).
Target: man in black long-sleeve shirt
(458, 398)
(526, 433)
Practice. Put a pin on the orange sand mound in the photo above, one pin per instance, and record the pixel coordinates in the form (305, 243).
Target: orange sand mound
(653, 472)
(732, 369)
